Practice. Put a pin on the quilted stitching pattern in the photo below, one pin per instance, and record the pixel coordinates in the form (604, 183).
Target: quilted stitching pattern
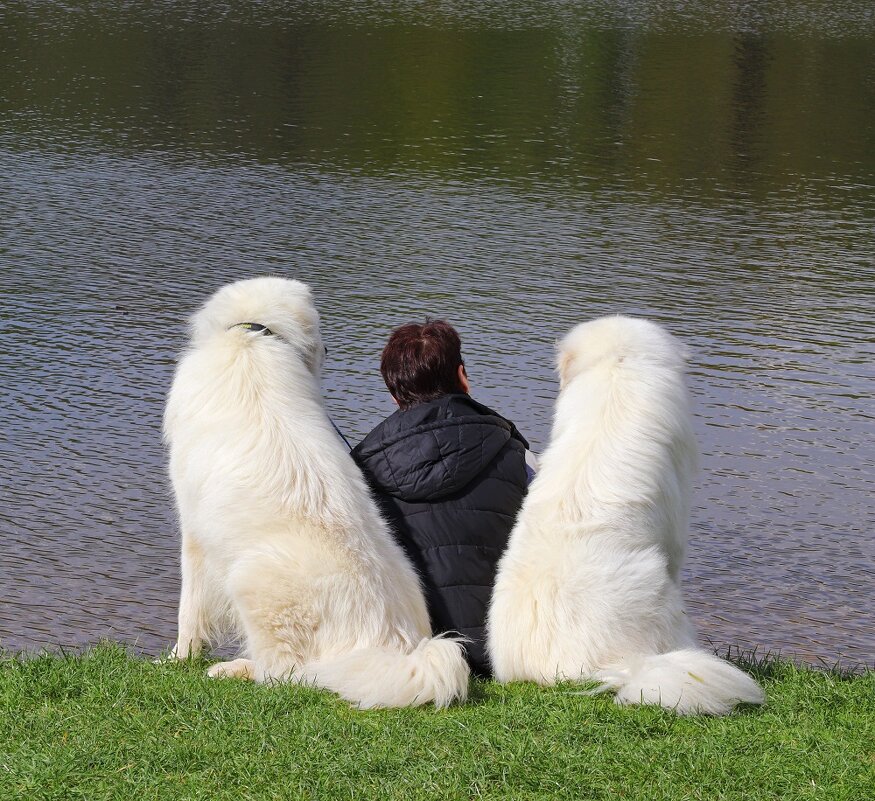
(450, 475)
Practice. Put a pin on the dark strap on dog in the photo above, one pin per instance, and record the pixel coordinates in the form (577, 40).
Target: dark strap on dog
(337, 429)
(256, 327)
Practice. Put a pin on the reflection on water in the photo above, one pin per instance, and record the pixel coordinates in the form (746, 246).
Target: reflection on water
(516, 173)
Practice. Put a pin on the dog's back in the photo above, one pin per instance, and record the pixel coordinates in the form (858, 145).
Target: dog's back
(609, 502)
(591, 574)
(626, 376)
(254, 460)
(623, 453)
(280, 534)
(237, 400)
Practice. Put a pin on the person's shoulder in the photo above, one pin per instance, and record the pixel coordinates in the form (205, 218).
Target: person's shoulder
(486, 411)
(462, 405)
(429, 419)
(375, 440)
(401, 424)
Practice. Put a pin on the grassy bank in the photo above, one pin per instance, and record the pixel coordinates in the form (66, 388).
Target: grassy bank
(105, 725)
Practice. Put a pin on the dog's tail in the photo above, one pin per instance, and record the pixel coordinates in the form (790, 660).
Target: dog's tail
(434, 672)
(689, 681)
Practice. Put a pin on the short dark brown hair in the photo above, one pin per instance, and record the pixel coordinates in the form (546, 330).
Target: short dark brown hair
(421, 362)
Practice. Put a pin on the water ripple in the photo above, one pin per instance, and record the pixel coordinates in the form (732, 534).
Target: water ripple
(553, 172)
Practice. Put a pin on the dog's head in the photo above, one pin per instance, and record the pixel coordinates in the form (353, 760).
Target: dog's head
(609, 341)
(282, 305)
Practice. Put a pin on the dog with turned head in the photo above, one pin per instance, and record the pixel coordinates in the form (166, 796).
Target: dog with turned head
(589, 587)
(282, 545)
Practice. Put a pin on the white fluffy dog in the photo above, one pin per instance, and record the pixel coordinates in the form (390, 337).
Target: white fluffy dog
(281, 542)
(589, 587)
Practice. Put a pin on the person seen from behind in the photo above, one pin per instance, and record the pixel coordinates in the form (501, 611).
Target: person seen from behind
(449, 473)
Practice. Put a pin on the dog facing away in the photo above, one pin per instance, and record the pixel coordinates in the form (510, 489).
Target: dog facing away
(589, 587)
(282, 545)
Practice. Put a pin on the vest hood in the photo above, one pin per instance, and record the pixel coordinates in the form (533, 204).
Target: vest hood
(434, 449)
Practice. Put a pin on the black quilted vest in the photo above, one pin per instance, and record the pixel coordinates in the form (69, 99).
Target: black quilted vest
(450, 477)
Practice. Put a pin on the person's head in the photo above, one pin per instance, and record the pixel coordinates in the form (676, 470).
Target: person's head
(423, 361)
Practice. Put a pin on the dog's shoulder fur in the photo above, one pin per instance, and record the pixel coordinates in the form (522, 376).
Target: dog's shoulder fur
(240, 402)
(622, 452)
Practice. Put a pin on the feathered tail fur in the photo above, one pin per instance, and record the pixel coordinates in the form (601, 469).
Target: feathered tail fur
(434, 672)
(690, 681)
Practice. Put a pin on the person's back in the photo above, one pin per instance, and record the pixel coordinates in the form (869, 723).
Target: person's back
(449, 474)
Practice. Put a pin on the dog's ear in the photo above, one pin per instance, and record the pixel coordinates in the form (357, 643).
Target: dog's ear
(315, 352)
(564, 364)
(684, 352)
(304, 332)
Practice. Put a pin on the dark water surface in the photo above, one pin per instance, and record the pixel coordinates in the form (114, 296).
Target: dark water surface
(516, 168)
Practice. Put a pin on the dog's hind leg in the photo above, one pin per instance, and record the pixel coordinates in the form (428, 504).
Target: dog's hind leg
(193, 615)
(277, 627)
(235, 669)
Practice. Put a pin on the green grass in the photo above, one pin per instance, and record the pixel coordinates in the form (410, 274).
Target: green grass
(106, 725)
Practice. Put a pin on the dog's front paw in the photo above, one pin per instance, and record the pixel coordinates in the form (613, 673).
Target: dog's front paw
(176, 653)
(173, 655)
(235, 669)
(188, 649)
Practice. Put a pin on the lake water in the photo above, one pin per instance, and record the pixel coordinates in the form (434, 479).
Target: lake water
(515, 168)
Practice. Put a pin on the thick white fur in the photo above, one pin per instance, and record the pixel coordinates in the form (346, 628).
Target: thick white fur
(282, 544)
(589, 587)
